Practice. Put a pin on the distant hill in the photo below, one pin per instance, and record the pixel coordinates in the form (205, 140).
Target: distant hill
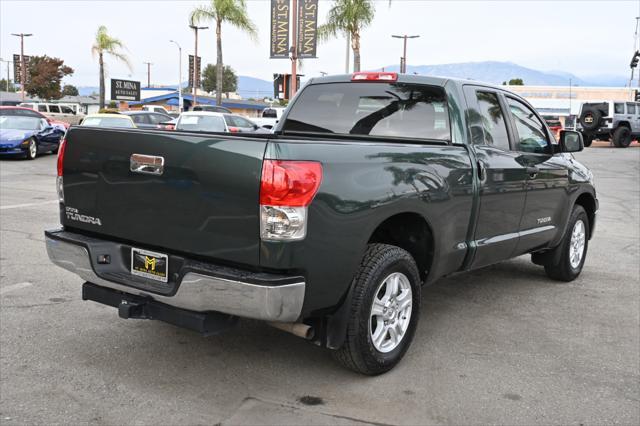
(488, 71)
(497, 72)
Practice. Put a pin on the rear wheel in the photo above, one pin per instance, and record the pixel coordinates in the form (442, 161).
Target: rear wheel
(622, 137)
(384, 311)
(566, 260)
(32, 150)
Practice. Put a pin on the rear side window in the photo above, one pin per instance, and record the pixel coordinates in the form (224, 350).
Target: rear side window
(618, 108)
(139, 118)
(42, 108)
(631, 108)
(396, 110)
(54, 108)
(493, 122)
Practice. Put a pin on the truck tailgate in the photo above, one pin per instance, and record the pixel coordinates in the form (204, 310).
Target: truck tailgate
(205, 202)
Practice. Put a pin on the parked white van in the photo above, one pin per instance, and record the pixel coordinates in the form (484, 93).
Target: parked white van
(57, 112)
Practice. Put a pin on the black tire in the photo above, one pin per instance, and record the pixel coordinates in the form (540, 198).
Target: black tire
(590, 118)
(55, 151)
(588, 140)
(559, 267)
(358, 353)
(32, 150)
(622, 137)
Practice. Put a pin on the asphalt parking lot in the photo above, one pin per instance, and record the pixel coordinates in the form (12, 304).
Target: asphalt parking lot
(501, 345)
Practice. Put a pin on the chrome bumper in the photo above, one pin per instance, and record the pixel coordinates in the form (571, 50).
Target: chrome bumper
(197, 292)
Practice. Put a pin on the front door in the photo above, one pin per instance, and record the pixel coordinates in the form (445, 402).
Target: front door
(546, 208)
(502, 178)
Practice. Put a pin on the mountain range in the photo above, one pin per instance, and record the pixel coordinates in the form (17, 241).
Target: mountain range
(487, 71)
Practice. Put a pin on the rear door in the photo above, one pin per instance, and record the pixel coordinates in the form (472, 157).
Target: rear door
(204, 202)
(502, 177)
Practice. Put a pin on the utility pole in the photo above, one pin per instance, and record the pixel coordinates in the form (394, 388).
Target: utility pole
(23, 68)
(403, 62)
(195, 28)
(8, 62)
(148, 73)
(294, 50)
(180, 102)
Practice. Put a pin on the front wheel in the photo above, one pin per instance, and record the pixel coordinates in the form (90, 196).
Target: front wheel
(568, 258)
(32, 150)
(384, 311)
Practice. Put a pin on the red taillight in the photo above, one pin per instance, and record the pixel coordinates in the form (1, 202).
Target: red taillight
(374, 76)
(234, 130)
(289, 183)
(63, 144)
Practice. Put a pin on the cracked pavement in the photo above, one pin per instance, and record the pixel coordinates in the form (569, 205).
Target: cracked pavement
(501, 345)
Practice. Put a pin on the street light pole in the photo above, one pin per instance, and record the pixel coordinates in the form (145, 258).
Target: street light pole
(23, 70)
(148, 73)
(179, 75)
(8, 62)
(195, 28)
(403, 64)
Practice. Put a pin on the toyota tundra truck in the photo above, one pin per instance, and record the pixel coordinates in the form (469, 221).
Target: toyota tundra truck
(371, 186)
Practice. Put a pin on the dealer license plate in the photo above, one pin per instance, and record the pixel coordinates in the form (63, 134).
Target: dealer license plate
(149, 264)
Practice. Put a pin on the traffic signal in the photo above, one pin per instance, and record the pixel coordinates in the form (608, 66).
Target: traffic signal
(635, 59)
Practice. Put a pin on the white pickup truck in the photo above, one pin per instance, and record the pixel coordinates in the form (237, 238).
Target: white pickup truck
(269, 117)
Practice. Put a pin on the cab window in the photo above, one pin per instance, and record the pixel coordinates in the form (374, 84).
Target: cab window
(54, 108)
(42, 108)
(493, 122)
(532, 135)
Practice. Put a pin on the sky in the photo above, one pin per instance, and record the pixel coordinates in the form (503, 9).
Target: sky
(585, 38)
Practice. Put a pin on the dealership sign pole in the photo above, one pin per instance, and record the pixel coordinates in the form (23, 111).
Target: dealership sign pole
(297, 40)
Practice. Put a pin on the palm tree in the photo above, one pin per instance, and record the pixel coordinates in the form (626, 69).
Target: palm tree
(105, 44)
(348, 17)
(235, 13)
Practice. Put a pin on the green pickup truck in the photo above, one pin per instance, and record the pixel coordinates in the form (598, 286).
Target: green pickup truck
(372, 185)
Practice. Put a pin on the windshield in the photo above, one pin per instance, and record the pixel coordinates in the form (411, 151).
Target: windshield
(108, 122)
(397, 110)
(201, 123)
(20, 122)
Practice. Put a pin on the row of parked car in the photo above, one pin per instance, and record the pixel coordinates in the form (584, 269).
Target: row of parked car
(32, 129)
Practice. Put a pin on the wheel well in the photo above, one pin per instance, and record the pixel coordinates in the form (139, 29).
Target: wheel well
(411, 232)
(588, 203)
(623, 124)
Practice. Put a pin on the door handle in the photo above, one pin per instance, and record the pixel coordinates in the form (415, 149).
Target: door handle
(482, 171)
(532, 172)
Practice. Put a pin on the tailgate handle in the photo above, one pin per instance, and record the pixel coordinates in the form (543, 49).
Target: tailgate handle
(146, 164)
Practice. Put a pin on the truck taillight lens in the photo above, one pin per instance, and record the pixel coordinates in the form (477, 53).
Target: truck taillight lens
(286, 190)
(59, 180)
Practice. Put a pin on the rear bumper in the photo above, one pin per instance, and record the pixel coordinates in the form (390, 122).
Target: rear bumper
(197, 287)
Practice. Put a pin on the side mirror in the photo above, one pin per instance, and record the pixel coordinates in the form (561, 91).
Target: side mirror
(571, 141)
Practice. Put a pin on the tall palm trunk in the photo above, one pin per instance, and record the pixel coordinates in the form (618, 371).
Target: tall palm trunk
(355, 45)
(101, 61)
(219, 63)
